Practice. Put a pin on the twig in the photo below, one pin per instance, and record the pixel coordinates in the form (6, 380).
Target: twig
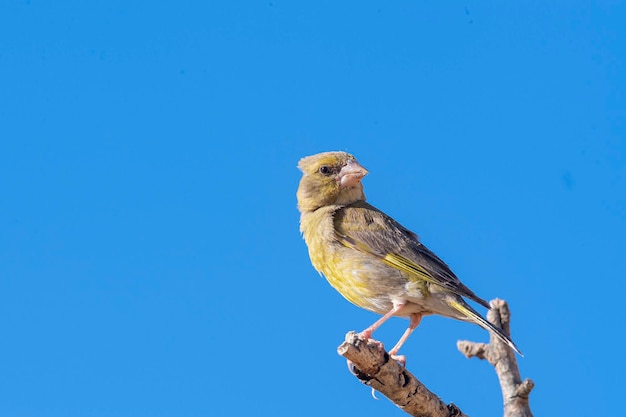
(515, 393)
(374, 368)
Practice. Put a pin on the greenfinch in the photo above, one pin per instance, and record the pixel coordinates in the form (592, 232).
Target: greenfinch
(372, 260)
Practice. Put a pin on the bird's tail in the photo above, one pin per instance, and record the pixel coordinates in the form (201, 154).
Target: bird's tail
(473, 316)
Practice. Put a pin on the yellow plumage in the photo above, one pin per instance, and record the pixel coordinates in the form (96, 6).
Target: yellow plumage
(369, 258)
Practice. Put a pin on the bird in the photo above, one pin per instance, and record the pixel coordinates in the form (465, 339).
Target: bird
(372, 260)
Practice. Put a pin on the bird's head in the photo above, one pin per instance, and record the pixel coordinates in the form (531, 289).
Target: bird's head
(329, 178)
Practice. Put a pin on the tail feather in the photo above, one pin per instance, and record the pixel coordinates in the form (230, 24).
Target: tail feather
(473, 316)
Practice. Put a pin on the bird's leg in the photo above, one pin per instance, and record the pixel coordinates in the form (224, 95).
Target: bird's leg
(415, 319)
(367, 333)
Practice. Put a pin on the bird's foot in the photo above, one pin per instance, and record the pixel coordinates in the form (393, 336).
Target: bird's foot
(350, 366)
(401, 359)
(366, 334)
(379, 345)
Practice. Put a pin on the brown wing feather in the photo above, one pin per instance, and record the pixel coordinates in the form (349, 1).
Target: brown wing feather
(365, 228)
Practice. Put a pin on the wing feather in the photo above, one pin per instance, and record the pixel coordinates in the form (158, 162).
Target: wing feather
(363, 227)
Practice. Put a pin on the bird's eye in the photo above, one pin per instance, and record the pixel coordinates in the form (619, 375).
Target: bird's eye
(325, 170)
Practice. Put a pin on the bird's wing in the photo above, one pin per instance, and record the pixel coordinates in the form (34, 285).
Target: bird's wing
(367, 229)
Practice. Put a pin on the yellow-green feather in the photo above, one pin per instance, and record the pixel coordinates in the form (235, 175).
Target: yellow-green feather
(482, 322)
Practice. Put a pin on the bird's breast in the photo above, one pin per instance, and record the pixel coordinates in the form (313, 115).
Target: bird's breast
(360, 278)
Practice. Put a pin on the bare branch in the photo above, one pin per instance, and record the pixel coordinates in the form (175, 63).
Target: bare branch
(515, 393)
(374, 367)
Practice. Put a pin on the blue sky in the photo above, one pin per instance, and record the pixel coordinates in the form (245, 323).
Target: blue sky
(150, 259)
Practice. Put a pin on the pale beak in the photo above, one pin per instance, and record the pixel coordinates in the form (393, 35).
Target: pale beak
(351, 174)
